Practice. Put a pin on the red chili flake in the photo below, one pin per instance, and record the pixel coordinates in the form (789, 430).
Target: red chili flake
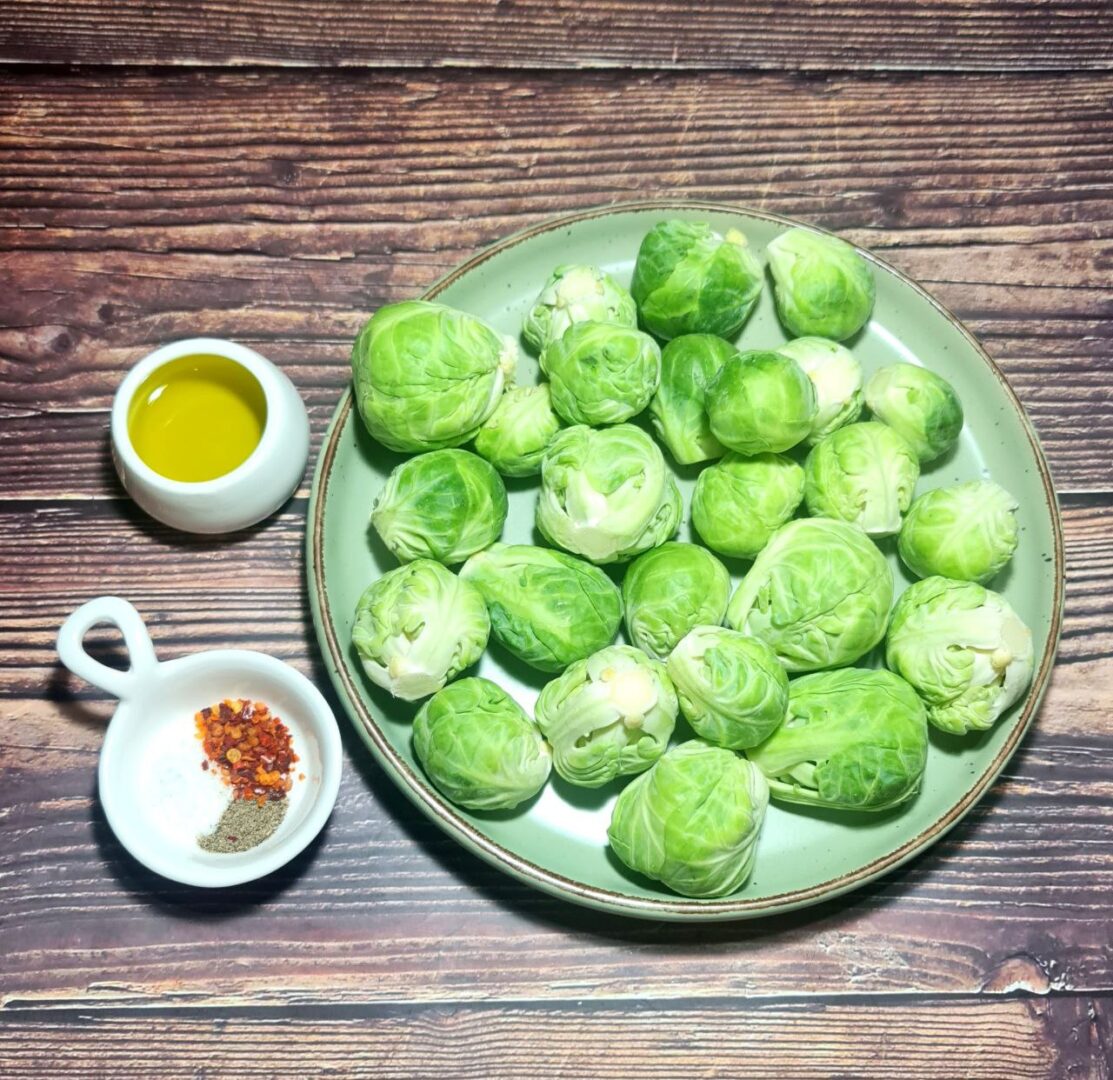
(250, 746)
(205, 764)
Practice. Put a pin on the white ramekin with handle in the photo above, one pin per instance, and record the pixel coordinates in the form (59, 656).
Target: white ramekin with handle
(153, 694)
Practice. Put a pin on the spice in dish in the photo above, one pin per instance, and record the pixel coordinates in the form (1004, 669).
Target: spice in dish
(243, 825)
(250, 746)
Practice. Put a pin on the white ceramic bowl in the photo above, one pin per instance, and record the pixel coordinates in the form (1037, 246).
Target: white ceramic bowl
(251, 491)
(153, 695)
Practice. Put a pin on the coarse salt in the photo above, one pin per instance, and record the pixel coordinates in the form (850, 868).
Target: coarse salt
(185, 800)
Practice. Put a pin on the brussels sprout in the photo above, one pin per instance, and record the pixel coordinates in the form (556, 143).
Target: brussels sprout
(966, 532)
(690, 280)
(678, 409)
(443, 505)
(417, 627)
(963, 648)
(821, 285)
(818, 595)
(600, 373)
(479, 748)
(732, 688)
(918, 405)
(836, 378)
(760, 402)
(670, 589)
(546, 607)
(692, 821)
(517, 434)
(575, 294)
(740, 502)
(862, 473)
(609, 715)
(853, 739)
(426, 376)
(606, 494)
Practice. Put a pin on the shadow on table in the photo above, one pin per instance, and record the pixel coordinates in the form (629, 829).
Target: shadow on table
(188, 901)
(71, 696)
(152, 529)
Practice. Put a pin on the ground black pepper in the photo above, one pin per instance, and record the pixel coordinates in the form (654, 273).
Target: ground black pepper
(244, 825)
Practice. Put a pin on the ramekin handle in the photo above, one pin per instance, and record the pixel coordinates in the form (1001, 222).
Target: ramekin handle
(116, 612)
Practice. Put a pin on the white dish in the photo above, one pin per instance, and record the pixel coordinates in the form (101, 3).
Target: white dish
(251, 491)
(157, 702)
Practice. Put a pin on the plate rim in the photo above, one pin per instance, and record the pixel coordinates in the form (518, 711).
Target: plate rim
(444, 815)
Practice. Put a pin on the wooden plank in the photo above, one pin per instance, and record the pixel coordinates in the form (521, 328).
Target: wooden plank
(799, 35)
(389, 909)
(280, 208)
(979, 1040)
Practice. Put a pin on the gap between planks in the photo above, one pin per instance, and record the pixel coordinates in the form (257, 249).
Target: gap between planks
(31, 1007)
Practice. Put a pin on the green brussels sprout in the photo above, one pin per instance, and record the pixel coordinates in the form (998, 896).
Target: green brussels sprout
(601, 373)
(836, 378)
(444, 505)
(609, 715)
(822, 287)
(678, 411)
(426, 376)
(690, 280)
(576, 294)
(853, 739)
(517, 434)
(918, 405)
(863, 473)
(670, 589)
(967, 532)
(417, 627)
(761, 402)
(818, 595)
(546, 608)
(963, 648)
(739, 502)
(732, 688)
(479, 748)
(692, 821)
(606, 494)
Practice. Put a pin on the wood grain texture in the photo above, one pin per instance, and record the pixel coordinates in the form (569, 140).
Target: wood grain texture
(279, 209)
(389, 909)
(978, 1040)
(799, 35)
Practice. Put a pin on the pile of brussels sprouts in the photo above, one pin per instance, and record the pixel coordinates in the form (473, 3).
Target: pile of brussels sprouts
(782, 428)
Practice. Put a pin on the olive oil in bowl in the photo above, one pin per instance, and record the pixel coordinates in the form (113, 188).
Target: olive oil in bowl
(197, 418)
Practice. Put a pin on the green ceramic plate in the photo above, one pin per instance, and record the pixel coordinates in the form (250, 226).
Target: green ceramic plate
(558, 841)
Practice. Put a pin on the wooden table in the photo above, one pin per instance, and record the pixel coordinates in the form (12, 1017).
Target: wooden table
(272, 171)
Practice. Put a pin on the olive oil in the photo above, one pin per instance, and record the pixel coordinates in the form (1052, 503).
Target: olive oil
(197, 418)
